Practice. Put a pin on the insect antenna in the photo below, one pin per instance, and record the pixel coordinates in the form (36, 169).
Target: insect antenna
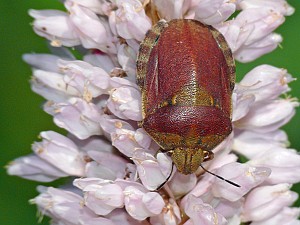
(222, 178)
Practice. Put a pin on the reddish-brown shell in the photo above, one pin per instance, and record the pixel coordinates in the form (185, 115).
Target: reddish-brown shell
(186, 74)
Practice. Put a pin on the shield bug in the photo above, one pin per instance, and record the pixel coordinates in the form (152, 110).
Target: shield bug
(186, 73)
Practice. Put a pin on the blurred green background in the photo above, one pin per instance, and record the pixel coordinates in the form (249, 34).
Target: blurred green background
(21, 115)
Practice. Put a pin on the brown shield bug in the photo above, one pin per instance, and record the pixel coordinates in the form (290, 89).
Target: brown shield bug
(186, 73)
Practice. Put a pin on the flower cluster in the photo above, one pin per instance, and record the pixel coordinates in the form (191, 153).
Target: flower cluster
(113, 164)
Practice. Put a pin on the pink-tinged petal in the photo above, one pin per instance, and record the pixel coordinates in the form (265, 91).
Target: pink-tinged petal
(284, 163)
(244, 175)
(124, 141)
(170, 215)
(202, 187)
(86, 183)
(288, 215)
(125, 103)
(280, 6)
(101, 60)
(228, 208)
(182, 184)
(142, 138)
(235, 220)
(96, 221)
(153, 202)
(44, 62)
(207, 8)
(149, 170)
(207, 180)
(85, 21)
(53, 80)
(124, 137)
(265, 82)
(116, 82)
(220, 159)
(127, 59)
(106, 165)
(61, 152)
(251, 144)
(121, 217)
(79, 117)
(134, 48)
(264, 20)
(48, 62)
(94, 143)
(128, 183)
(169, 9)
(234, 34)
(51, 86)
(164, 163)
(110, 194)
(61, 205)
(241, 105)
(130, 20)
(268, 116)
(110, 125)
(89, 81)
(202, 213)
(47, 92)
(103, 199)
(134, 204)
(32, 167)
(93, 169)
(267, 199)
(55, 26)
(261, 47)
(62, 52)
(139, 204)
(249, 34)
(222, 14)
(98, 6)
